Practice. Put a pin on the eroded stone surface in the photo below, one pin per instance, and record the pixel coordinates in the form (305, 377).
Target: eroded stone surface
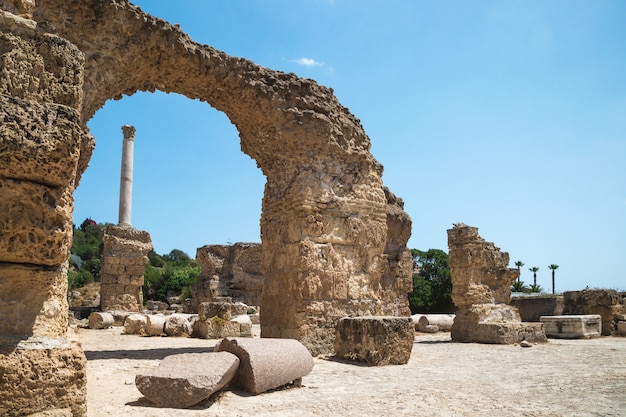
(124, 260)
(229, 271)
(330, 237)
(481, 291)
(573, 326)
(376, 340)
(183, 380)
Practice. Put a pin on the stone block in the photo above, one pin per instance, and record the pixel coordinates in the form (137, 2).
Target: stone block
(621, 328)
(377, 340)
(267, 363)
(155, 323)
(177, 325)
(100, 320)
(181, 381)
(221, 309)
(443, 322)
(135, 324)
(573, 326)
(35, 222)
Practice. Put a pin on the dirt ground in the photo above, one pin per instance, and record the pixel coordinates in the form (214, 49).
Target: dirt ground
(558, 378)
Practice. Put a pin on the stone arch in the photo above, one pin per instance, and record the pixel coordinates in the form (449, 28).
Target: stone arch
(333, 238)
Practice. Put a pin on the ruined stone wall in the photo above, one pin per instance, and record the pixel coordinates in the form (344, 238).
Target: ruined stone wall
(124, 260)
(481, 291)
(41, 139)
(229, 271)
(609, 304)
(326, 220)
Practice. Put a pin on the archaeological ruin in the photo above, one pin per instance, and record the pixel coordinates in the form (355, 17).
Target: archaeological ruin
(481, 292)
(333, 237)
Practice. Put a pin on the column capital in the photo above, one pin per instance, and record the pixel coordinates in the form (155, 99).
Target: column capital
(129, 132)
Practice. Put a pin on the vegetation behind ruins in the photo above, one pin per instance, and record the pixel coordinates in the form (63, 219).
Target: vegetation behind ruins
(171, 273)
(432, 282)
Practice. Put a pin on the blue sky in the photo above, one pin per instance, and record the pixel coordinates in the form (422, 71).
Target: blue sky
(505, 115)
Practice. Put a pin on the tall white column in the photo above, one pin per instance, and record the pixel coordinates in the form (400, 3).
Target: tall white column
(126, 178)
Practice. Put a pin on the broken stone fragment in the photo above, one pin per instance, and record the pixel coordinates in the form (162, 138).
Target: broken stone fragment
(267, 363)
(100, 320)
(181, 381)
(135, 324)
(178, 325)
(155, 324)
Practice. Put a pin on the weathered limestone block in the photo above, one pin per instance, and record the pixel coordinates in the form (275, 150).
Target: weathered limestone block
(376, 340)
(135, 324)
(266, 364)
(481, 291)
(229, 270)
(43, 374)
(100, 320)
(573, 326)
(124, 259)
(221, 309)
(22, 8)
(155, 323)
(621, 328)
(177, 325)
(184, 380)
(443, 322)
(33, 302)
(606, 303)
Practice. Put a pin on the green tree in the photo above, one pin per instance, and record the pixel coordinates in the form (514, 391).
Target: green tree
(519, 264)
(432, 285)
(553, 267)
(536, 288)
(534, 270)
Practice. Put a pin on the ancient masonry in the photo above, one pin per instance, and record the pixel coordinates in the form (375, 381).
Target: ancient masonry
(125, 251)
(481, 291)
(124, 259)
(229, 271)
(42, 152)
(333, 238)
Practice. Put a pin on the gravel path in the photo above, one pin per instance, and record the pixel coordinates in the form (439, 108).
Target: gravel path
(559, 378)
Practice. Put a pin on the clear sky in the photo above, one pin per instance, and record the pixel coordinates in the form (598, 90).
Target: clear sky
(505, 115)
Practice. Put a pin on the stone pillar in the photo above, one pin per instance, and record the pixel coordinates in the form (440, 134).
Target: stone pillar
(126, 177)
(481, 291)
(42, 367)
(124, 259)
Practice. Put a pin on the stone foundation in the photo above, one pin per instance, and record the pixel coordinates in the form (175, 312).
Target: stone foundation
(481, 291)
(124, 260)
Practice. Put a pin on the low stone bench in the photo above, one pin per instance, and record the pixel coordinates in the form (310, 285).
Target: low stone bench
(377, 340)
(181, 381)
(572, 326)
(267, 363)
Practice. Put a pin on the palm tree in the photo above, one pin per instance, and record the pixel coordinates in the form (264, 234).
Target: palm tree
(534, 270)
(519, 264)
(553, 267)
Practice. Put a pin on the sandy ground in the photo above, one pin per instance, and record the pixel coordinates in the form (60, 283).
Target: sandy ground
(559, 378)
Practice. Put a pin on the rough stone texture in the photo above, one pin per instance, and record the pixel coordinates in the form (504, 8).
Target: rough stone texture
(443, 322)
(100, 320)
(572, 326)
(155, 323)
(229, 271)
(621, 328)
(266, 364)
(42, 374)
(124, 260)
(41, 145)
(532, 308)
(481, 291)
(183, 380)
(135, 324)
(177, 325)
(606, 303)
(221, 309)
(331, 242)
(376, 340)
